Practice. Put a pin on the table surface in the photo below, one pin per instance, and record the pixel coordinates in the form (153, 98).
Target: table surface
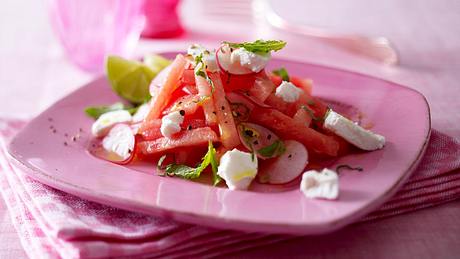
(35, 72)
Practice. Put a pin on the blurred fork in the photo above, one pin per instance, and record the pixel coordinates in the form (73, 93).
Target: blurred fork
(376, 48)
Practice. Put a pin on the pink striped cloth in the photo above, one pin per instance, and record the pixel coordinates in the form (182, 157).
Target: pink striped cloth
(54, 224)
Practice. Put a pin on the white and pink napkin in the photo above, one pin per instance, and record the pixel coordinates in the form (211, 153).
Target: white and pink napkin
(54, 224)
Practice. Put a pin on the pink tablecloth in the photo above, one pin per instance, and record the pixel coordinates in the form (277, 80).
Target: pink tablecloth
(59, 225)
(34, 73)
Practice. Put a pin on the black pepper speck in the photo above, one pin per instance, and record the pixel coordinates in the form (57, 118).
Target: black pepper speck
(249, 133)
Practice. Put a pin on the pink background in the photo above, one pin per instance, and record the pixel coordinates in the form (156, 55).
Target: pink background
(34, 73)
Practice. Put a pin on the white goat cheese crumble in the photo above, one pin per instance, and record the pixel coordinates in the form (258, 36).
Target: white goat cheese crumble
(323, 185)
(254, 62)
(238, 169)
(170, 123)
(120, 141)
(353, 133)
(288, 92)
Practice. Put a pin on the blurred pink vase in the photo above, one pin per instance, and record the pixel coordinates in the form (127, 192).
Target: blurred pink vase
(90, 30)
(162, 20)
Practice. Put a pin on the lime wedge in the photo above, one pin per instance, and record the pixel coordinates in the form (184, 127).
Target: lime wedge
(130, 79)
(156, 62)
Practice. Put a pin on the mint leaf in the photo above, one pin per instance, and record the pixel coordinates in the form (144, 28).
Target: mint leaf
(188, 172)
(275, 149)
(96, 111)
(199, 65)
(216, 179)
(201, 71)
(311, 113)
(259, 46)
(182, 171)
(282, 72)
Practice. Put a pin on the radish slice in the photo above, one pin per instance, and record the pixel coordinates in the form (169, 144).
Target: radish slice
(256, 137)
(223, 58)
(118, 146)
(286, 167)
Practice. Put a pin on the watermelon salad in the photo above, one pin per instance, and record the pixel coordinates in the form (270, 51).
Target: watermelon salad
(220, 112)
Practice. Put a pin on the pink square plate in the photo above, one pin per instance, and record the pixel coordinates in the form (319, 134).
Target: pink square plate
(397, 112)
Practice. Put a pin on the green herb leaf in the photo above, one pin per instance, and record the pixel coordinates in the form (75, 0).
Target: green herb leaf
(311, 113)
(275, 149)
(216, 179)
(182, 171)
(282, 72)
(199, 65)
(96, 111)
(259, 46)
(188, 172)
(200, 71)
